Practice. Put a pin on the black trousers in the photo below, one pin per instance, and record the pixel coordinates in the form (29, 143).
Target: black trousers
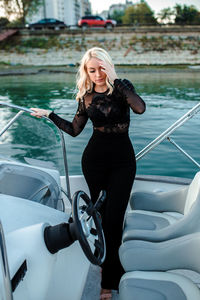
(108, 163)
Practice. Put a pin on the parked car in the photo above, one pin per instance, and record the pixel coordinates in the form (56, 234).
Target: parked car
(48, 24)
(96, 21)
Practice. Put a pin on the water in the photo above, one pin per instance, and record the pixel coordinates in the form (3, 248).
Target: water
(168, 95)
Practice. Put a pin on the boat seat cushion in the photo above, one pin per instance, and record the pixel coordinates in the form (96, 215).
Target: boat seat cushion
(160, 201)
(139, 219)
(180, 200)
(147, 220)
(172, 254)
(174, 215)
(157, 286)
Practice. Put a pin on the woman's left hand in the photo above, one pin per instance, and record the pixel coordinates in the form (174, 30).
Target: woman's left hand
(109, 70)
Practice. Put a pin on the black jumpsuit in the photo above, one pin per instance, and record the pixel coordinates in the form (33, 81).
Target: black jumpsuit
(108, 162)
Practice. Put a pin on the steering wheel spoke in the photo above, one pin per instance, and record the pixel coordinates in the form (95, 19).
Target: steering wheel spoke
(88, 228)
(93, 231)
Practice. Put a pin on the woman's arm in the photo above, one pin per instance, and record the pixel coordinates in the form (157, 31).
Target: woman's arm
(72, 128)
(126, 88)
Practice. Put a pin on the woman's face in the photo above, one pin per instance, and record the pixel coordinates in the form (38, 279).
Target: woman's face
(95, 73)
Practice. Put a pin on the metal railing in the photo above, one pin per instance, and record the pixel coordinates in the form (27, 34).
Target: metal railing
(166, 134)
(183, 151)
(6, 290)
(27, 110)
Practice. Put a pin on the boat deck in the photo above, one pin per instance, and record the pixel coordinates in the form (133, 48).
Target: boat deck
(92, 287)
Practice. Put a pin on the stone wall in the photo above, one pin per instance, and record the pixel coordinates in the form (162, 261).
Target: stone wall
(143, 45)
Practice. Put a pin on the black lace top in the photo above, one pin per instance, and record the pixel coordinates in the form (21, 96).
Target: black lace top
(108, 113)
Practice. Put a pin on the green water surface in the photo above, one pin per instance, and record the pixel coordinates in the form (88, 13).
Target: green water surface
(168, 95)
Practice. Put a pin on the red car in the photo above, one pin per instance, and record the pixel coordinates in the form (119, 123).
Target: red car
(96, 21)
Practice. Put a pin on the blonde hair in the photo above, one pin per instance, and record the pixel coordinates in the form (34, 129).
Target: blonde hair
(83, 82)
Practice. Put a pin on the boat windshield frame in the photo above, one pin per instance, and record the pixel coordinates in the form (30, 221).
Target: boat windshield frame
(21, 110)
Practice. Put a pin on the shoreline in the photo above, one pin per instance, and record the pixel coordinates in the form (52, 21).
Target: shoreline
(130, 50)
(17, 70)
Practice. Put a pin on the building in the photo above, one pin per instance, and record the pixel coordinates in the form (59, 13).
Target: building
(104, 14)
(68, 11)
(85, 8)
(116, 7)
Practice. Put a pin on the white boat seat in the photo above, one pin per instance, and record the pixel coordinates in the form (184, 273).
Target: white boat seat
(176, 216)
(149, 266)
(150, 220)
(166, 223)
(157, 286)
(31, 183)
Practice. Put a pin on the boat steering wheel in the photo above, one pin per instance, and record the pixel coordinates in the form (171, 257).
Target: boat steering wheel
(87, 228)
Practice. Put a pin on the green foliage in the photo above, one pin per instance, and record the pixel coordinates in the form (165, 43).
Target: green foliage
(166, 14)
(3, 63)
(42, 43)
(15, 24)
(9, 44)
(146, 43)
(186, 15)
(20, 8)
(3, 22)
(139, 13)
(22, 46)
(117, 16)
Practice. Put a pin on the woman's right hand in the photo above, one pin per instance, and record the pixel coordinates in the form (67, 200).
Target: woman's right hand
(39, 113)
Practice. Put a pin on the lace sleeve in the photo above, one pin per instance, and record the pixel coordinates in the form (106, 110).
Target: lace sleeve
(76, 126)
(127, 90)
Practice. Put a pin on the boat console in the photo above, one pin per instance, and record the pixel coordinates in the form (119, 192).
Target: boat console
(32, 183)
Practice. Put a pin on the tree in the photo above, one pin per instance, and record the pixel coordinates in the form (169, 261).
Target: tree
(117, 16)
(139, 13)
(166, 15)
(186, 15)
(19, 9)
(3, 22)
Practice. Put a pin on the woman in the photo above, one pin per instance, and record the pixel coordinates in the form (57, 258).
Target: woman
(108, 161)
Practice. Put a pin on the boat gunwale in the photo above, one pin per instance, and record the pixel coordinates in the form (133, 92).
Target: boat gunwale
(164, 179)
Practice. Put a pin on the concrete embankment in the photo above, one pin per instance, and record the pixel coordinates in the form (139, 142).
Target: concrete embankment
(131, 46)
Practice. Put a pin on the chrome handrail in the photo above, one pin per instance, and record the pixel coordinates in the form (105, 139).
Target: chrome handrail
(183, 151)
(24, 109)
(11, 122)
(6, 287)
(165, 134)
